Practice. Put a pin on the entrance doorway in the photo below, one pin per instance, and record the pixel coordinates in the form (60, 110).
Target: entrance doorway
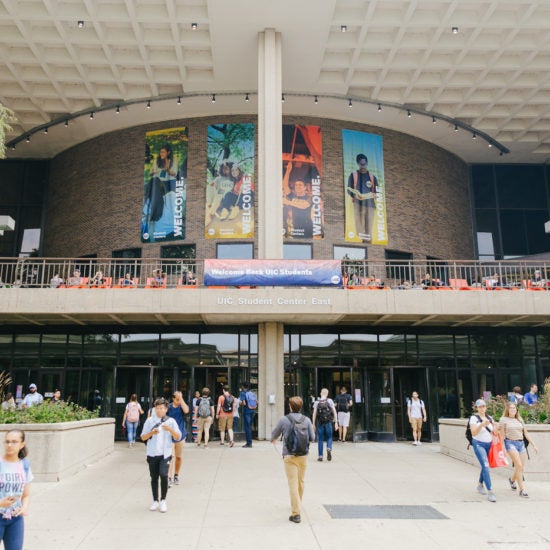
(407, 380)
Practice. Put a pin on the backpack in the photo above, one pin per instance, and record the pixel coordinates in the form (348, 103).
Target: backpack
(133, 412)
(228, 403)
(297, 440)
(251, 400)
(324, 412)
(342, 402)
(468, 434)
(204, 407)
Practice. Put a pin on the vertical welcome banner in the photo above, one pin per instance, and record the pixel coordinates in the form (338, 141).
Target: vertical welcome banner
(303, 210)
(364, 188)
(229, 182)
(164, 185)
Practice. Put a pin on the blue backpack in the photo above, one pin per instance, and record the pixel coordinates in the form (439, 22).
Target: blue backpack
(251, 400)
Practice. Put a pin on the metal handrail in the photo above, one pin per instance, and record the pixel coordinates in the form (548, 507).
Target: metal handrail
(30, 272)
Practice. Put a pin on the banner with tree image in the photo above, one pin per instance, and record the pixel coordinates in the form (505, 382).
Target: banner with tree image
(164, 185)
(229, 211)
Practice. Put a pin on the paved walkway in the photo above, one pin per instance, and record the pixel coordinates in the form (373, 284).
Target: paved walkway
(237, 498)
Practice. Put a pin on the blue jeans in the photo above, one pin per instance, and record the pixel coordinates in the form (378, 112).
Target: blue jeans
(11, 532)
(481, 449)
(131, 428)
(324, 433)
(248, 417)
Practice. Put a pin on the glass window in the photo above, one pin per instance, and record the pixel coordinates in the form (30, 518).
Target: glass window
(127, 253)
(147, 344)
(235, 251)
(105, 344)
(11, 175)
(483, 186)
(75, 344)
(538, 241)
(399, 269)
(437, 345)
(520, 186)
(349, 253)
(54, 344)
(178, 251)
(27, 343)
(514, 236)
(180, 343)
(319, 350)
(297, 252)
(219, 348)
(359, 344)
(36, 181)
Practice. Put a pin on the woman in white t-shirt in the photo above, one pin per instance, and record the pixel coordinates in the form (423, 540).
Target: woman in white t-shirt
(15, 476)
(130, 420)
(482, 427)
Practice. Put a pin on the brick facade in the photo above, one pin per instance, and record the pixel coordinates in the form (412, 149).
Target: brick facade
(96, 192)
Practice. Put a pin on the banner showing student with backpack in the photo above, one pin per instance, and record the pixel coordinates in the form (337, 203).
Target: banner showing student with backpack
(416, 412)
(204, 412)
(250, 405)
(297, 432)
(324, 416)
(224, 414)
(343, 406)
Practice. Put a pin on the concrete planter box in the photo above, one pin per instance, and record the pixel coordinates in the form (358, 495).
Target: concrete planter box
(453, 443)
(59, 450)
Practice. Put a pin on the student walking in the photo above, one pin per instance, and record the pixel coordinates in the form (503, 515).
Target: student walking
(224, 414)
(130, 420)
(15, 476)
(324, 417)
(177, 410)
(159, 430)
(416, 411)
(482, 427)
(297, 432)
(204, 411)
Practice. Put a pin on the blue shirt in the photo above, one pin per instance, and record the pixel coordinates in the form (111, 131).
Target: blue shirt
(177, 414)
(530, 398)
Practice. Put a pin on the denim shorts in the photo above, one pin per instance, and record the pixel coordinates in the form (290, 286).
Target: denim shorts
(513, 444)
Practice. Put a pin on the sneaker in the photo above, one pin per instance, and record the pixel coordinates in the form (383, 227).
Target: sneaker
(414, 443)
(231, 443)
(513, 484)
(295, 519)
(176, 479)
(222, 443)
(523, 493)
(155, 506)
(163, 508)
(481, 490)
(329, 454)
(419, 443)
(169, 482)
(247, 446)
(320, 459)
(491, 497)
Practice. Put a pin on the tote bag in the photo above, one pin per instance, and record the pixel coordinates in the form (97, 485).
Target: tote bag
(497, 456)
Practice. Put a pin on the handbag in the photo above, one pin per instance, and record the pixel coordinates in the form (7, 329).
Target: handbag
(497, 456)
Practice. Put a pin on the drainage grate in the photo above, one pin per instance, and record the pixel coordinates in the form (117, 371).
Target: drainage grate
(343, 511)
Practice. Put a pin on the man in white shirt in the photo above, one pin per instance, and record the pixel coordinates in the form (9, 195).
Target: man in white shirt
(32, 398)
(417, 414)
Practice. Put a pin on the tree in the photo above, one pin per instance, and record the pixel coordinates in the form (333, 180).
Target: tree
(6, 116)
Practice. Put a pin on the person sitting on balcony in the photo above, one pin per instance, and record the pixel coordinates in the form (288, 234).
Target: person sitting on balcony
(427, 281)
(98, 279)
(76, 279)
(354, 280)
(537, 279)
(188, 278)
(158, 279)
(372, 282)
(56, 281)
(127, 281)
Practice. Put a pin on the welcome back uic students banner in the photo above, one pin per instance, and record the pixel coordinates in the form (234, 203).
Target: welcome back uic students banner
(164, 185)
(364, 188)
(273, 272)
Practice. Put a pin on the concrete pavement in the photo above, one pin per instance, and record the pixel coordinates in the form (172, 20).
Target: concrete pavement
(238, 497)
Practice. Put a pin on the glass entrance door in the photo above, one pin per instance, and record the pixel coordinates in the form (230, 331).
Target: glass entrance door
(407, 380)
(380, 420)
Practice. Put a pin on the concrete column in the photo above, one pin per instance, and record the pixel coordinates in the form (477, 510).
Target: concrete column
(270, 148)
(270, 377)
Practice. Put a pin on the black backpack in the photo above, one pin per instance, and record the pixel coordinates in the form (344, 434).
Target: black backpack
(324, 412)
(469, 436)
(228, 403)
(342, 402)
(297, 440)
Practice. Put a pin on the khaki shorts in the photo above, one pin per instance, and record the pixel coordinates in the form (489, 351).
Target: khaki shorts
(177, 448)
(225, 423)
(416, 423)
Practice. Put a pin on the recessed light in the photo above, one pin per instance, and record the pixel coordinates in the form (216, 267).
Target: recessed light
(454, 30)
(213, 98)
(409, 113)
(283, 98)
(316, 100)
(246, 98)
(343, 28)
(148, 104)
(194, 26)
(92, 115)
(179, 100)
(117, 110)
(379, 107)
(350, 104)
(80, 24)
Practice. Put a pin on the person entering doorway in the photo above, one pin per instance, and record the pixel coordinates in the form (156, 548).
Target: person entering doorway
(416, 411)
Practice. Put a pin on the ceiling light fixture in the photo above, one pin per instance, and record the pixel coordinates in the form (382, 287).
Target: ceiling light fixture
(80, 24)
(67, 123)
(148, 104)
(46, 130)
(474, 136)
(350, 104)
(283, 98)
(91, 115)
(13, 147)
(454, 30)
(28, 140)
(409, 113)
(179, 100)
(213, 98)
(117, 110)
(194, 26)
(490, 145)
(343, 28)
(316, 100)
(246, 98)
(434, 120)
(379, 107)
(456, 128)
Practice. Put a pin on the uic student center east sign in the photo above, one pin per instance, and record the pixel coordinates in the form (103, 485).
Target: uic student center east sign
(104, 205)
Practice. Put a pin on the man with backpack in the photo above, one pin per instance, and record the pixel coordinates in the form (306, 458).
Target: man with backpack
(297, 432)
(250, 404)
(177, 410)
(324, 416)
(343, 406)
(224, 414)
(204, 412)
(416, 412)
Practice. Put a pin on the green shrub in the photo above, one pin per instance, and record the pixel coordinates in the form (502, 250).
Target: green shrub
(47, 413)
